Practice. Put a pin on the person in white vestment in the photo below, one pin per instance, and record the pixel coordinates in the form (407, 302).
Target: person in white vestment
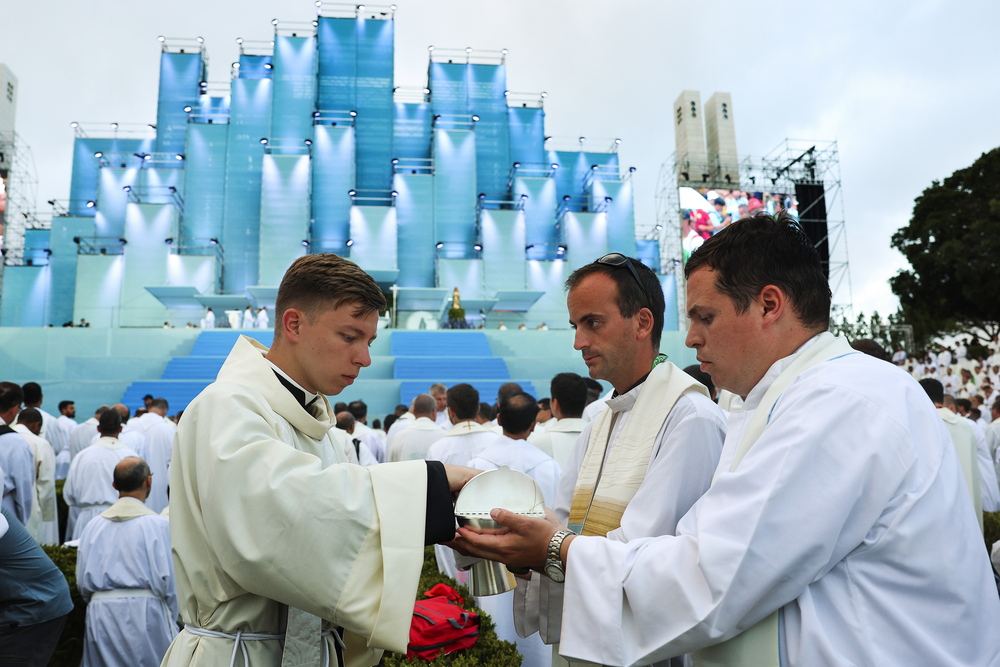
(89, 486)
(248, 318)
(82, 436)
(989, 487)
(544, 418)
(262, 321)
(281, 546)
(17, 462)
(51, 430)
(371, 438)
(459, 446)
(125, 574)
(66, 422)
(404, 421)
(838, 530)
(413, 442)
(208, 322)
(568, 399)
(44, 522)
(517, 415)
(358, 451)
(440, 394)
(155, 416)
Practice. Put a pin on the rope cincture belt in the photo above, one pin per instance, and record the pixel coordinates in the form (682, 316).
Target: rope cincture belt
(239, 637)
(125, 593)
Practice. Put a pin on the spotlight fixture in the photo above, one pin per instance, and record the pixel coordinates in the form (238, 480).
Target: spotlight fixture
(352, 193)
(506, 93)
(127, 188)
(582, 139)
(566, 197)
(353, 113)
(504, 52)
(475, 118)
(76, 240)
(593, 167)
(214, 241)
(309, 142)
(172, 189)
(122, 241)
(544, 94)
(187, 109)
(394, 194)
(268, 66)
(659, 228)
(239, 40)
(98, 154)
(618, 142)
(529, 246)
(478, 247)
(179, 156)
(608, 200)
(524, 197)
(315, 24)
(482, 195)
(141, 156)
(427, 91)
(349, 243)
(236, 65)
(631, 170)
(263, 141)
(561, 249)
(74, 125)
(51, 202)
(305, 242)
(201, 40)
(517, 165)
(554, 165)
(114, 126)
(430, 48)
(361, 8)
(468, 49)
(274, 21)
(169, 240)
(439, 245)
(151, 126)
(393, 7)
(91, 203)
(161, 39)
(395, 160)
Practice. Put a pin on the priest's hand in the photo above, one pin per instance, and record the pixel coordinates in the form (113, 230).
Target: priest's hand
(458, 476)
(523, 543)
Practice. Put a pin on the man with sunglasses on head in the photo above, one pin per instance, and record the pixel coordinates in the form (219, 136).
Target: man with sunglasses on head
(651, 452)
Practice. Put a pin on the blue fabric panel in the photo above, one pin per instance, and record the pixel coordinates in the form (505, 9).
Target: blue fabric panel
(212, 110)
(586, 236)
(373, 229)
(527, 135)
(415, 231)
(83, 183)
(36, 242)
(205, 182)
(670, 317)
(455, 186)
(284, 214)
(338, 59)
(574, 167)
(26, 296)
(449, 88)
(249, 121)
(412, 131)
(487, 84)
(112, 200)
(465, 274)
(332, 179)
(503, 250)
(62, 263)
(146, 226)
(180, 76)
(375, 107)
(621, 220)
(539, 212)
(294, 93)
(647, 251)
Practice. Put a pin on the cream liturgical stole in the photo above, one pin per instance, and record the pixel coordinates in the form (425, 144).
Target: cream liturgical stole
(757, 646)
(605, 488)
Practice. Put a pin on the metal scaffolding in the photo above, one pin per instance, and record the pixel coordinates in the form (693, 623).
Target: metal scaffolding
(18, 165)
(793, 162)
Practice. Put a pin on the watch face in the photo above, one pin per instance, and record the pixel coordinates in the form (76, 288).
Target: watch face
(555, 572)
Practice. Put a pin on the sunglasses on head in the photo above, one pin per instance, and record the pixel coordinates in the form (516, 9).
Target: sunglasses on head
(617, 259)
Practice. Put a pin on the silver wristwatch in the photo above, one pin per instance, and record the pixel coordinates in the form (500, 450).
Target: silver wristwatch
(554, 569)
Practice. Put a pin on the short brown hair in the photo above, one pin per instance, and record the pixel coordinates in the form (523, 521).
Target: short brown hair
(326, 281)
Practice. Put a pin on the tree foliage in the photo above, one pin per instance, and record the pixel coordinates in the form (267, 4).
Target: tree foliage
(886, 332)
(953, 246)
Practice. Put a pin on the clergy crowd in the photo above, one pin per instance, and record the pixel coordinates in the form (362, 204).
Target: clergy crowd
(793, 499)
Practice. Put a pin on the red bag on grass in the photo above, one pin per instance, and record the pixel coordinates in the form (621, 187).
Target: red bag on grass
(440, 625)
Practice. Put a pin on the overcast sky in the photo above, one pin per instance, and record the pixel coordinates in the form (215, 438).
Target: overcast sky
(904, 86)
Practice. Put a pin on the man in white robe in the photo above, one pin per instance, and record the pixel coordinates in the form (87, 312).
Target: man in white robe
(155, 416)
(440, 394)
(248, 318)
(567, 400)
(262, 321)
(208, 322)
(82, 436)
(414, 441)
(357, 451)
(89, 486)
(125, 573)
(517, 415)
(44, 523)
(16, 459)
(838, 522)
(50, 427)
(280, 545)
(66, 422)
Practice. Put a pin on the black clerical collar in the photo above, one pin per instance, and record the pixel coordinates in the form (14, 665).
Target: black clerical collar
(641, 380)
(299, 394)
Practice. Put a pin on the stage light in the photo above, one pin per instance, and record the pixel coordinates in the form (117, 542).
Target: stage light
(187, 109)
(561, 249)
(394, 194)
(546, 138)
(659, 228)
(566, 197)
(151, 126)
(74, 124)
(608, 200)
(517, 165)
(161, 38)
(555, 166)
(352, 193)
(349, 243)
(263, 141)
(544, 94)
(51, 202)
(524, 197)
(239, 40)
(482, 195)
(98, 154)
(274, 21)
(305, 242)
(169, 240)
(122, 241)
(91, 203)
(361, 8)
(147, 156)
(76, 240)
(127, 188)
(506, 93)
(478, 247)
(593, 167)
(504, 51)
(319, 3)
(214, 241)
(395, 160)
(439, 245)
(353, 113)
(468, 49)
(315, 24)
(114, 126)
(618, 142)
(631, 170)
(430, 48)
(529, 246)
(582, 139)
(475, 118)
(427, 91)
(309, 142)
(172, 189)
(201, 40)
(236, 65)
(179, 156)
(393, 7)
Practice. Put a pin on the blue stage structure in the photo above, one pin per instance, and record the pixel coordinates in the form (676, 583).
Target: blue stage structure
(312, 146)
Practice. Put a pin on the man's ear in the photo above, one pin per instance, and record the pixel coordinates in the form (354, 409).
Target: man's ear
(645, 323)
(291, 324)
(774, 302)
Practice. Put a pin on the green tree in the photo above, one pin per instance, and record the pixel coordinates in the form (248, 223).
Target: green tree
(953, 246)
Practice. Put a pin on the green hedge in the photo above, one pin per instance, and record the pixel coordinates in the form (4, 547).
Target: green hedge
(69, 651)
